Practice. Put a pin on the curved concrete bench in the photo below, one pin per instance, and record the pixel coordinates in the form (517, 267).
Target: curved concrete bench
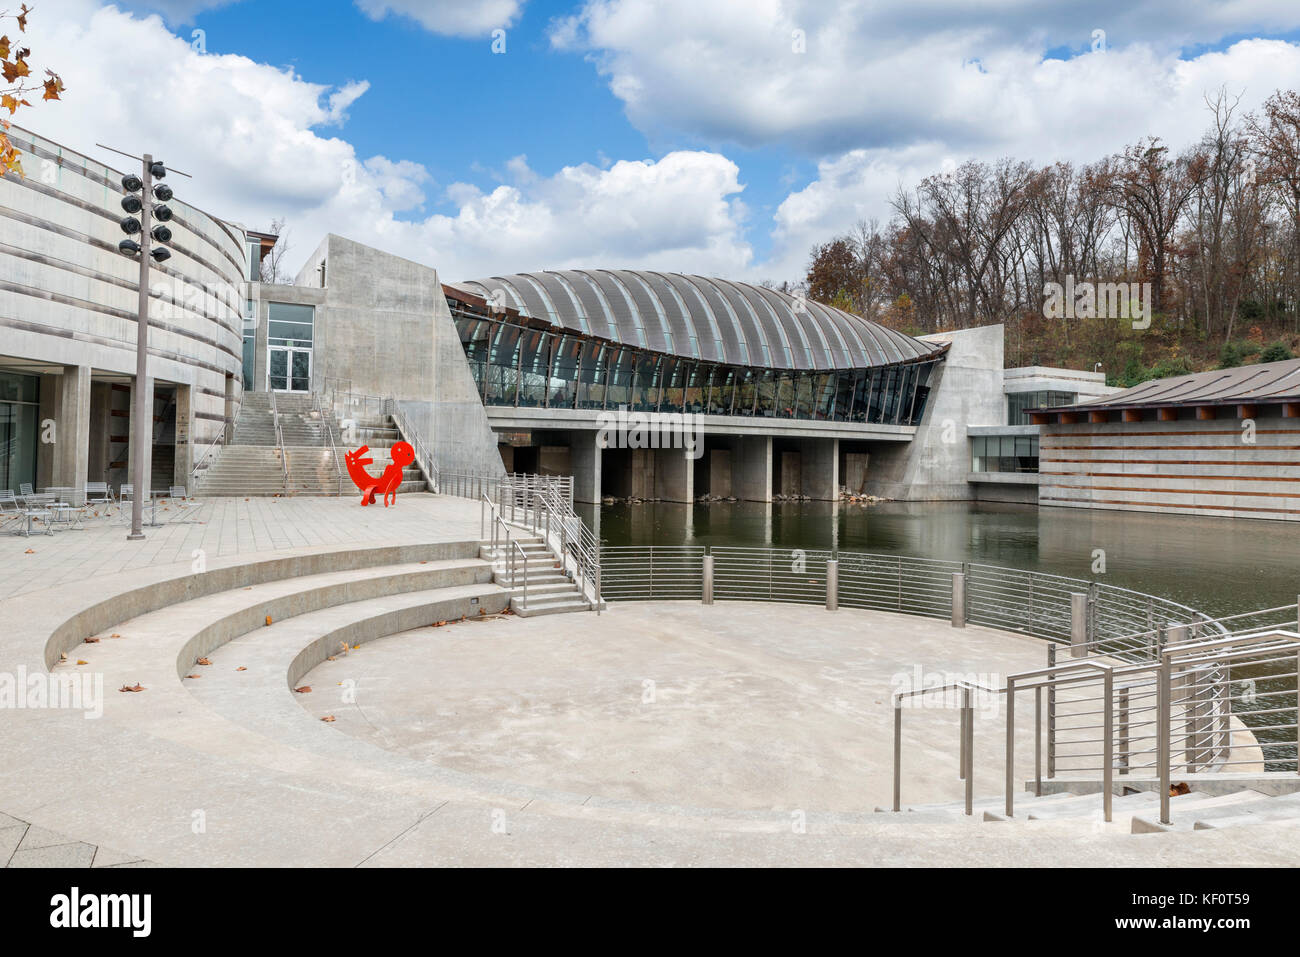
(79, 617)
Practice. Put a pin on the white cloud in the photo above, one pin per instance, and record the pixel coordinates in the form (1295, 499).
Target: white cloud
(254, 137)
(467, 18)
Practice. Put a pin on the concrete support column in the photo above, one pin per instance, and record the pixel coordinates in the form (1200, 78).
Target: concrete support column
(48, 412)
(184, 436)
(584, 457)
(820, 469)
(674, 475)
(140, 432)
(751, 476)
(72, 431)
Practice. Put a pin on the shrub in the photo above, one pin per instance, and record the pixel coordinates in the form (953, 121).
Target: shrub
(1277, 352)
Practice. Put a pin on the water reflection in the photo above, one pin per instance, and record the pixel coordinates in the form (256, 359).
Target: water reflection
(1220, 566)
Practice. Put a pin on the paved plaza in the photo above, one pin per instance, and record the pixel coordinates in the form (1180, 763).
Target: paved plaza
(655, 733)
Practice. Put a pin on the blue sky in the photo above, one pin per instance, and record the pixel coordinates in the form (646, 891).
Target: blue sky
(464, 111)
(724, 137)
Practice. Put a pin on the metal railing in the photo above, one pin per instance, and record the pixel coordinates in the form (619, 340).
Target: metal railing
(471, 484)
(201, 463)
(327, 439)
(1098, 711)
(500, 538)
(423, 457)
(544, 504)
(279, 439)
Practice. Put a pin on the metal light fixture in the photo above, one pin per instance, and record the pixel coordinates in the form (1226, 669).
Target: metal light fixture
(162, 192)
(128, 247)
(132, 203)
(162, 213)
(160, 253)
(130, 225)
(157, 170)
(131, 183)
(161, 234)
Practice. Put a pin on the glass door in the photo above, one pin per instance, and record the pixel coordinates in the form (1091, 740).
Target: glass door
(290, 369)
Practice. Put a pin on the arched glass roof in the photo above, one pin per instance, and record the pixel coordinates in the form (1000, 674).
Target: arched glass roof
(712, 319)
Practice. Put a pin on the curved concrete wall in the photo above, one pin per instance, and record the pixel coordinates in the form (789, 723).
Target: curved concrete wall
(68, 297)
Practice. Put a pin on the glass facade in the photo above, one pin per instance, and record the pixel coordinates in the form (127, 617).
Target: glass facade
(1018, 402)
(525, 366)
(19, 421)
(1004, 453)
(289, 346)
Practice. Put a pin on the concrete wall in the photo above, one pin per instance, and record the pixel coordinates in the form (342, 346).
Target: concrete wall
(1187, 466)
(68, 298)
(967, 391)
(383, 328)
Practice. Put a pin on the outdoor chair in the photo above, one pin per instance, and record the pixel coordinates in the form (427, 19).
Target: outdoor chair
(98, 493)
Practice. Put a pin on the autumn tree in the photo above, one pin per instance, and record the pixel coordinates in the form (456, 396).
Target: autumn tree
(17, 84)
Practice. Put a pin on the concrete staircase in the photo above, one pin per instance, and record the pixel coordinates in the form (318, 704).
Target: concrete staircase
(379, 433)
(1137, 812)
(251, 464)
(550, 590)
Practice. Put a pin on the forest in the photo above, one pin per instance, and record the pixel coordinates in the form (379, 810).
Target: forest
(1211, 234)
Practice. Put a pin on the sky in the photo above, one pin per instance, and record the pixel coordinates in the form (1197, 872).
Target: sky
(720, 137)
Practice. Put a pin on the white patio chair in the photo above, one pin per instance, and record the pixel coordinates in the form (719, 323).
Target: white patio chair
(98, 493)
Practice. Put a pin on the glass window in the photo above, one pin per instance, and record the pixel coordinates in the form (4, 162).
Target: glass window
(503, 377)
(722, 390)
(645, 396)
(564, 373)
(620, 379)
(591, 378)
(672, 375)
(534, 367)
(746, 392)
(1019, 402)
(290, 324)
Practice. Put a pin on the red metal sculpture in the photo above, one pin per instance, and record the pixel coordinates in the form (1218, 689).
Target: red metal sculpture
(402, 454)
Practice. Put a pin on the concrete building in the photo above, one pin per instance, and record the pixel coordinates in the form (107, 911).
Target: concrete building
(1212, 443)
(639, 384)
(68, 305)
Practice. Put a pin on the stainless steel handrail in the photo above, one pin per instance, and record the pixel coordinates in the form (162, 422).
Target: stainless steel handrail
(500, 535)
(965, 760)
(423, 457)
(279, 440)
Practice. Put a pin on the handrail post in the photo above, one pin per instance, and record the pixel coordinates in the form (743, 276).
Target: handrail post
(1011, 747)
(832, 585)
(898, 752)
(1051, 715)
(1124, 744)
(959, 599)
(1108, 748)
(962, 757)
(706, 585)
(1078, 624)
(969, 747)
(1162, 733)
(1038, 740)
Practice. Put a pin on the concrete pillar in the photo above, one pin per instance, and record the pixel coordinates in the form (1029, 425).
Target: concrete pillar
(674, 475)
(720, 473)
(140, 432)
(752, 475)
(791, 483)
(584, 456)
(855, 471)
(72, 431)
(184, 436)
(820, 469)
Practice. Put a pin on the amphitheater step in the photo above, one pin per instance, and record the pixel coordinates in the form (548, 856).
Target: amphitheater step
(1149, 823)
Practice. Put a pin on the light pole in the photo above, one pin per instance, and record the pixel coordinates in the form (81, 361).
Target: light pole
(140, 192)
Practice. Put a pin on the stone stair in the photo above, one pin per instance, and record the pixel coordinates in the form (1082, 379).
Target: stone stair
(1137, 812)
(251, 464)
(550, 590)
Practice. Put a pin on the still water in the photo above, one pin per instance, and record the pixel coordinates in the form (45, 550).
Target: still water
(1215, 565)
